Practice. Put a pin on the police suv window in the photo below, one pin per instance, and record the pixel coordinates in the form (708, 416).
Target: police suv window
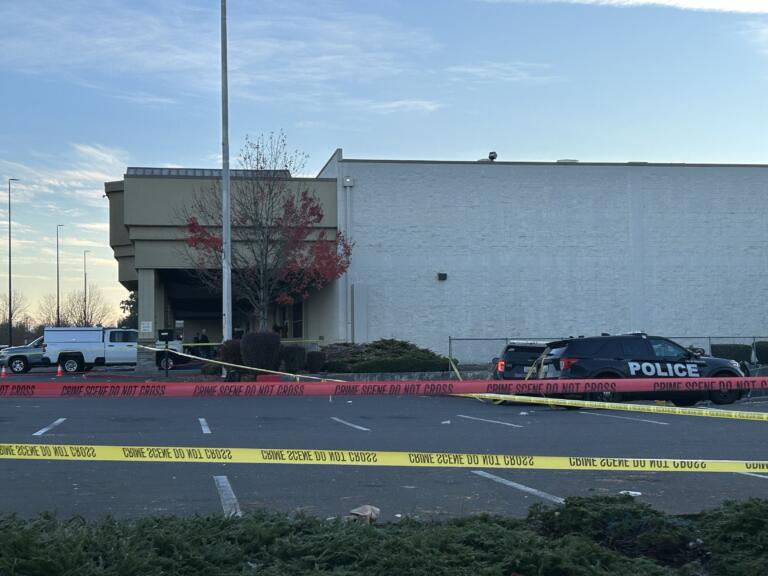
(635, 348)
(611, 349)
(666, 349)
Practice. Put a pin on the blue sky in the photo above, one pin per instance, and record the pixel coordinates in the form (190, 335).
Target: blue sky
(89, 87)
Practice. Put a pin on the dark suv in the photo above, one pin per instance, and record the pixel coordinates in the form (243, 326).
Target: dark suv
(640, 356)
(516, 359)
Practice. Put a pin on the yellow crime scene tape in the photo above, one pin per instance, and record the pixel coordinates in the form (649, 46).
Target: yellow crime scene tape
(178, 454)
(708, 413)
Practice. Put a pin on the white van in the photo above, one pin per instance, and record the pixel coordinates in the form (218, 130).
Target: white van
(78, 349)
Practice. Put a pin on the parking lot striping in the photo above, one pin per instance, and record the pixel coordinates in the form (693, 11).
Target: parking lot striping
(731, 414)
(204, 425)
(227, 497)
(47, 428)
(491, 421)
(626, 418)
(340, 421)
(521, 487)
(763, 476)
(325, 457)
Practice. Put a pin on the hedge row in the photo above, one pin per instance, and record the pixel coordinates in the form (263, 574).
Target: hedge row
(738, 352)
(584, 537)
(386, 355)
(263, 350)
(742, 352)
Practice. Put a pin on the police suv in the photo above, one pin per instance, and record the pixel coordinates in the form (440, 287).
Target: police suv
(640, 356)
(517, 359)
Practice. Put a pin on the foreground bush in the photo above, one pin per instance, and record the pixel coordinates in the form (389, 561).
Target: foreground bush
(229, 352)
(315, 361)
(383, 356)
(622, 524)
(261, 350)
(294, 358)
(585, 537)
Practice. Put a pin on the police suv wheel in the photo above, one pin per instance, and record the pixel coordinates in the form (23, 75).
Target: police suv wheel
(724, 396)
(685, 401)
(605, 397)
(161, 364)
(18, 365)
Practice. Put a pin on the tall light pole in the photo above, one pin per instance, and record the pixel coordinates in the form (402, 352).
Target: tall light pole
(226, 260)
(85, 290)
(58, 305)
(10, 293)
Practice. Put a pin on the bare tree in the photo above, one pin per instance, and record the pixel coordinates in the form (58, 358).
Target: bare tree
(46, 310)
(75, 312)
(22, 322)
(20, 307)
(278, 255)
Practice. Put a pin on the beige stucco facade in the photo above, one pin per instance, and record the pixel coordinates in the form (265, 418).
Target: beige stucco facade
(148, 211)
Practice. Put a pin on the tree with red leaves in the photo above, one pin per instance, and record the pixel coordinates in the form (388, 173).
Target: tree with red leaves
(279, 252)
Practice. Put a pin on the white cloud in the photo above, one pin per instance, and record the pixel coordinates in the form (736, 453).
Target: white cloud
(145, 99)
(295, 51)
(96, 226)
(79, 242)
(78, 187)
(389, 107)
(735, 6)
(17, 276)
(518, 72)
(757, 32)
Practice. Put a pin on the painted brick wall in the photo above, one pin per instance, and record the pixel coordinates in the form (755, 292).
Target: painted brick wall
(550, 250)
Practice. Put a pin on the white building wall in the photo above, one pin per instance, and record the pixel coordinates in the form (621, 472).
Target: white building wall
(554, 249)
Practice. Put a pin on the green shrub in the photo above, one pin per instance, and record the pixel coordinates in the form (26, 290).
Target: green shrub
(736, 535)
(620, 523)
(261, 350)
(315, 361)
(270, 544)
(385, 355)
(294, 357)
(761, 351)
(229, 352)
(738, 352)
(402, 364)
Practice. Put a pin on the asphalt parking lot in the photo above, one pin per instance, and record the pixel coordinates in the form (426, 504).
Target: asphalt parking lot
(131, 489)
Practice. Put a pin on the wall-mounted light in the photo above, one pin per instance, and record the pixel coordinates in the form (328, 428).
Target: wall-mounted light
(442, 276)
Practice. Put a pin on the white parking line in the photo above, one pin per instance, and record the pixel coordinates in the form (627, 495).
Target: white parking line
(491, 421)
(521, 487)
(764, 477)
(340, 421)
(626, 418)
(204, 425)
(227, 497)
(52, 425)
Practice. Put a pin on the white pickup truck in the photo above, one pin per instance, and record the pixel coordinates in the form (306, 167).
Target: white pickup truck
(79, 349)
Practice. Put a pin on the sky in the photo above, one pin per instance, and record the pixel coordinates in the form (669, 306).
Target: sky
(89, 87)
